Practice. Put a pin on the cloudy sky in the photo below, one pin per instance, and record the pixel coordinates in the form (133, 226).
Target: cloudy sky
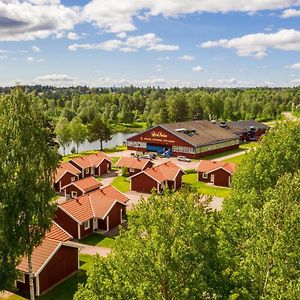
(150, 42)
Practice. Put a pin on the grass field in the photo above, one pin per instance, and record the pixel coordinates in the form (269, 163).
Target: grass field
(67, 289)
(121, 183)
(236, 159)
(203, 188)
(97, 239)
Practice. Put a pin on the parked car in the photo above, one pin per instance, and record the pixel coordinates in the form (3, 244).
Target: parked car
(183, 158)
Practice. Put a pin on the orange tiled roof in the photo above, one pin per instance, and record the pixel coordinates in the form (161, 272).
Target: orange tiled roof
(95, 204)
(208, 166)
(93, 160)
(63, 168)
(162, 172)
(58, 233)
(40, 254)
(132, 163)
(86, 184)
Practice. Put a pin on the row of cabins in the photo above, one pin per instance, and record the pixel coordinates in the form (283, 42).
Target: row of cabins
(94, 207)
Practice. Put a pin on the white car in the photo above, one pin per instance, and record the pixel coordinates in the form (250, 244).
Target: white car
(183, 158)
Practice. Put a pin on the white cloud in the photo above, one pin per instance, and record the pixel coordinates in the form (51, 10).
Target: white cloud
(121, 35)
(197, 69)
(3, 56)
(118, 16)
(73, 36)
(149, 42)
(290, 13)
(36, 49)
(30, 59)
(258, 44)
(295, 82)
(164, 58)
(294, 66)
(158, 68)
(186, 57)
(24, 20)
(57, 80)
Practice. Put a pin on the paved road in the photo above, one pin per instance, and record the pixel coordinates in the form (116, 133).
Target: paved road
(90, 250)
(289, 116)
(108, 178)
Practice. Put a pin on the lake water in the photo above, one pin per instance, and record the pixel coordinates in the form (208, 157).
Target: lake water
(116, 140)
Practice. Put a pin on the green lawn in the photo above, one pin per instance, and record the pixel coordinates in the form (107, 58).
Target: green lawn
(203, 188)
(114, 160)
(218, 155)
(121, 183)
(249, 145)
(97, 239)
(236, 159)
(67, 289)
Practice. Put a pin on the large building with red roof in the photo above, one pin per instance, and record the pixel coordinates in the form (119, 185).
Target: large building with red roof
(134, 165)
(192, 139)
(52, 261)
(102, 209)
(216, 172)
(165, 175)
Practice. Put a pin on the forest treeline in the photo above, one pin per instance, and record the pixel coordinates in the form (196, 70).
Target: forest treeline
(130, 105)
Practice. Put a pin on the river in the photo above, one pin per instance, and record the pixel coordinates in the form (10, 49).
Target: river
(116, 140)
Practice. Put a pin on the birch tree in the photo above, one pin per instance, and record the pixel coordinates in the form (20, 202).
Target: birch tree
(28, 159)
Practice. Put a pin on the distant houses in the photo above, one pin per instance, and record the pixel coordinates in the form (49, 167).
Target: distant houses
(52, 262)
(216, 172)
(166, 175)
(134, 165)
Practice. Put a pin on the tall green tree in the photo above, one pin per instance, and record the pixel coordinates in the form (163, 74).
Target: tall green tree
(78, 132)
(168, 252)
(247, 213)
(26, 171)
(63, 133)
(99, 131)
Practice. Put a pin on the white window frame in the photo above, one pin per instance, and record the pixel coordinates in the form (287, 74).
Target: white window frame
(204, 175)
(87, 171)
(73, 194)
(131, 170)
(21, 277)
(73, 179)
(86, 225)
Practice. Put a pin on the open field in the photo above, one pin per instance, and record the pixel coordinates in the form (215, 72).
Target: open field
(204, 188)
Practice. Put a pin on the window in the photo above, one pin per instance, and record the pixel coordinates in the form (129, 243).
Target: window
(73, 178)
(21, 277)
(87, 171)
(73, 194)
(131, 170)
(86, 225)
(93, 171)
(204, 175)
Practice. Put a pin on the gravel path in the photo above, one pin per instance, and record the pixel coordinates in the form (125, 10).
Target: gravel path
(90, 250)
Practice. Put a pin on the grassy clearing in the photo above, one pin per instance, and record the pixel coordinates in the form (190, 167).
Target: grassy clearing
(218, 155)
(114, 160)
(249, 145)
(97, 239)
(205, 189)
(67, 289)
(236, 159)
(121, 183)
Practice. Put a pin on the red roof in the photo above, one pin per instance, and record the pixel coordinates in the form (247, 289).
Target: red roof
(93, 160)
(63, 168)
(133, 163)
(207, 166)
(162, 172)
(51, 243)
(86, 184)
(95, 204)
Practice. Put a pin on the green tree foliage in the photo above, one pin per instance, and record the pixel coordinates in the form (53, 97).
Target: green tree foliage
(78, 132)
(26, 169)
(169, 252)
(257, 217)
(63, 133)
(99, 131)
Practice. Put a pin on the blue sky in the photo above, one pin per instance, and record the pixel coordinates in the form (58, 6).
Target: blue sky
(150, 42)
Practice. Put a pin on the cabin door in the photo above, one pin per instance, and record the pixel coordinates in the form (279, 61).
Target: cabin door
(95, 224)
(212, 178)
